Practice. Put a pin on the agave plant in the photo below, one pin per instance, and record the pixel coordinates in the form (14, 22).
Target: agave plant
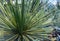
(23, 21)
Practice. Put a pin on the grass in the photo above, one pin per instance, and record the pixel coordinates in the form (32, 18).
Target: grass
(24, 21)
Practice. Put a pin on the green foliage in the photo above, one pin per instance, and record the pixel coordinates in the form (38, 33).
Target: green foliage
(23, 22)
